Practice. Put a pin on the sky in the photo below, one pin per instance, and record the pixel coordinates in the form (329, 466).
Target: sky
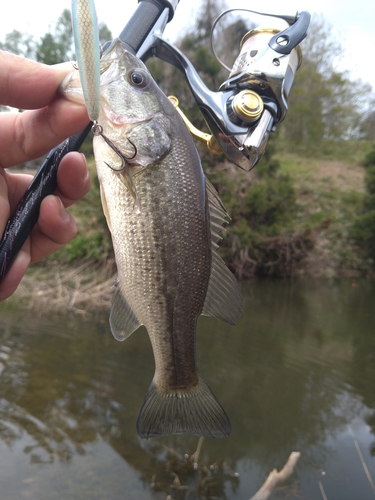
(352, 22)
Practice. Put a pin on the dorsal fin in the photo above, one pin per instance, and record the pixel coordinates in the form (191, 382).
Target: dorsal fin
(218, 213)
(223, 298)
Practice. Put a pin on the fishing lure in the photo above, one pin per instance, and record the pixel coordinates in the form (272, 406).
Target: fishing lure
(86, 42)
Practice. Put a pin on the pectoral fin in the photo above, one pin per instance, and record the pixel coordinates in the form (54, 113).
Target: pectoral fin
(105, 208)
(223, 298)
(122, 319)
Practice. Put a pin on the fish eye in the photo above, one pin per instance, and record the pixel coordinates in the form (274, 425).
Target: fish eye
(138, 78)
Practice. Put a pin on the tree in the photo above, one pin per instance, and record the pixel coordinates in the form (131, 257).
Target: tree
(227, 43)
(19, 43)
(209, 11)
(367, 126)
(57, 47)
(64, 34)
(48, 50)
(324, 102)
(53, 47)
(105, 34)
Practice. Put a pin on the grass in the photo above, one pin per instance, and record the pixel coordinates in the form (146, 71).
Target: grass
(329, 195)
(82, 288)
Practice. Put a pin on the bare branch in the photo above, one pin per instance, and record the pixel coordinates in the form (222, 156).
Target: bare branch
(275, 478)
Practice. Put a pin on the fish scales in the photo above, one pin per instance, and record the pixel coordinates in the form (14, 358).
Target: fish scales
(164, 261)
(164, 231)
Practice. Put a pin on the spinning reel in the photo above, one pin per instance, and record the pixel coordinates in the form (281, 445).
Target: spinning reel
(253, 100)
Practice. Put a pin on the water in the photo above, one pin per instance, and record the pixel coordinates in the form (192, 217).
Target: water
(297, 373)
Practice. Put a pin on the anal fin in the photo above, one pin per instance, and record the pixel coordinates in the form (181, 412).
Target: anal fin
(223, 299)
(122, 319)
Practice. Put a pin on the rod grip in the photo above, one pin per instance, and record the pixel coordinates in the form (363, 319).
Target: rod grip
(26, 213)
(142, 22)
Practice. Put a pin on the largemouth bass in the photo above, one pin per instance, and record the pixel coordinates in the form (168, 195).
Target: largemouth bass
(165, 246)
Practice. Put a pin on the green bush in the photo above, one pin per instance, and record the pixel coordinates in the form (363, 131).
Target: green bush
(261, 238)
(363, 228)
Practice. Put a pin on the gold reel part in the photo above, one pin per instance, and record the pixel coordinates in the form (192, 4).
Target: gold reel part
(248, 105)
(207, 139)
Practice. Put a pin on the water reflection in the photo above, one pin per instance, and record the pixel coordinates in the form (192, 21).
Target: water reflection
(296, 373)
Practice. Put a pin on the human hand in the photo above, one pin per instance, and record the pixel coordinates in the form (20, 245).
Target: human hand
(24, 136)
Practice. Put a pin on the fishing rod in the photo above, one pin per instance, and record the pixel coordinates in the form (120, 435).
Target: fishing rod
(240, 115)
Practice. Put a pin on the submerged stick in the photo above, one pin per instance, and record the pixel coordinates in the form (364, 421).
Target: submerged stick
(195, 455)
(275, 478)
(322, 490)
(365, 468)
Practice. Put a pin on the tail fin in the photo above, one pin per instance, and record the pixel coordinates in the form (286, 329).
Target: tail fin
(190, 411)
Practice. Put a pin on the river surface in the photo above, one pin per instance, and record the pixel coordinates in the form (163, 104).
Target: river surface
(297, 373)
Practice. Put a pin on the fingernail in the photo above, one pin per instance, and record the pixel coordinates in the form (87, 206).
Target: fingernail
(86, 173)
(86, 177)
(64, 214)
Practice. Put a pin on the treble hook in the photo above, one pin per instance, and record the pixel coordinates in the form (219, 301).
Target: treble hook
(98, 130)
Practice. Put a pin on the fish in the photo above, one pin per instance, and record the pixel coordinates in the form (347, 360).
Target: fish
(169, 271)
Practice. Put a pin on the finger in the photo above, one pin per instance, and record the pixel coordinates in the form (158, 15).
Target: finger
(16, 187)
(73, 181)
(4, 201)
(55, 228)
(28, 135)
(73, 178)
(14, 275)
(19, 266)
(27, 84)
